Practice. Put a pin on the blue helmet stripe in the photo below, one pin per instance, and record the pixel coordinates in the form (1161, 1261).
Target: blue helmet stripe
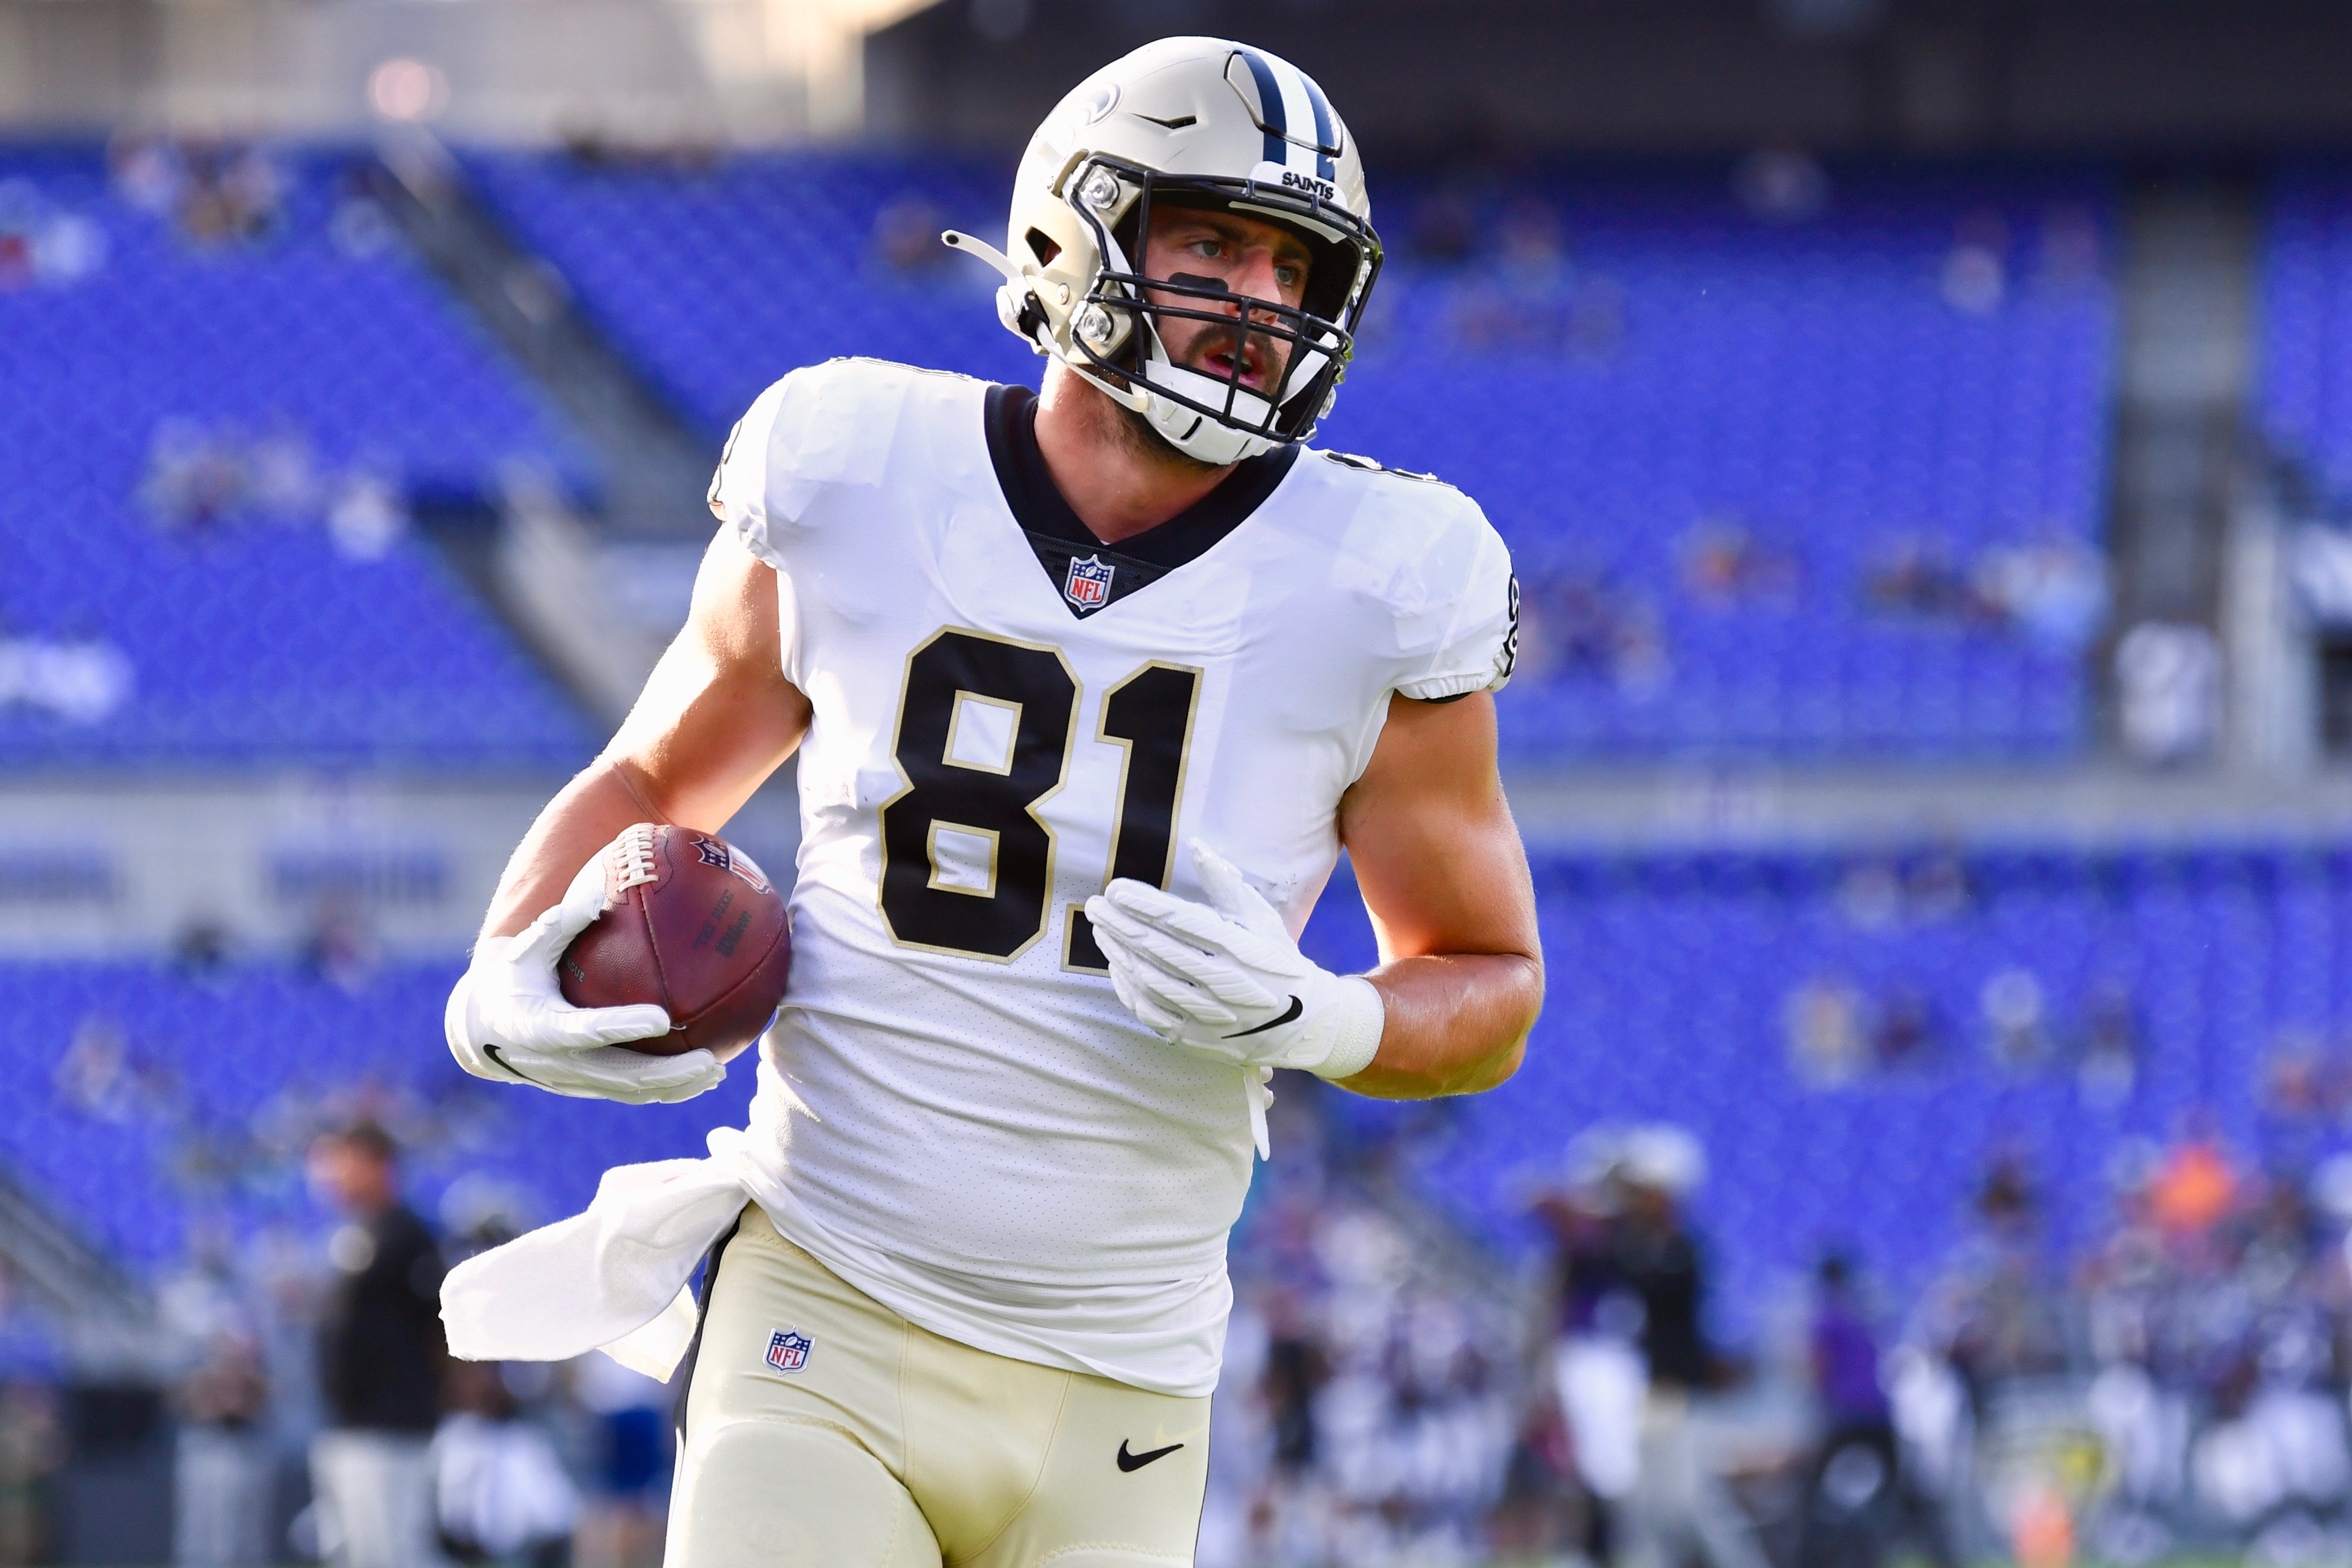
(1325, 135)
(1270, 110)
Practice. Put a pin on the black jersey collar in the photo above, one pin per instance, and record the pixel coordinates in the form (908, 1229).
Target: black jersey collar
(1088, 574)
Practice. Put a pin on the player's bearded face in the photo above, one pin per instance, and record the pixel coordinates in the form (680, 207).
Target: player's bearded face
(1247, 258)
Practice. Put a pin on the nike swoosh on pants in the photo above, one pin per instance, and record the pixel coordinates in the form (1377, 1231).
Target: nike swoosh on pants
(1127, 1461)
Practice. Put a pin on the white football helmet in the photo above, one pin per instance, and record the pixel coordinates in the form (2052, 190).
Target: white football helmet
(1191, 122)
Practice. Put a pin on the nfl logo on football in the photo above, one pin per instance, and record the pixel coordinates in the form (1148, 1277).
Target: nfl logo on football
(1088, 584)
(788, 1349)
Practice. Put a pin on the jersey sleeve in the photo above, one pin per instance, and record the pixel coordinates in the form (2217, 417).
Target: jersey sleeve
(1471, 609)
(823, 425)
(738, 488)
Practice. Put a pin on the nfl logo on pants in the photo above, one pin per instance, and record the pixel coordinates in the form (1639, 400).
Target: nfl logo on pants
(788, 1349)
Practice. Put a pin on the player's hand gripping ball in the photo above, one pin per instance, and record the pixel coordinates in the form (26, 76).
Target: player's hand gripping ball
(648, 1005)
(692, 926)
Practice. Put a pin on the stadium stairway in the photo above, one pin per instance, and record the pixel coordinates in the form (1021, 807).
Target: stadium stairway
(2184, 367)
(546, 561)
(105, 1315)
(654, 469)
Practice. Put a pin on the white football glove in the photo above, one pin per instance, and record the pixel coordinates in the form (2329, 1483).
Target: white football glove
(507, 1020)
(1226, 978)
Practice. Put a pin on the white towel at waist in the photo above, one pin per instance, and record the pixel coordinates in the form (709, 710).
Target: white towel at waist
(614, 1278)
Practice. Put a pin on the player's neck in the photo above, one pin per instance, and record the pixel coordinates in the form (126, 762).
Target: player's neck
(1119, 479)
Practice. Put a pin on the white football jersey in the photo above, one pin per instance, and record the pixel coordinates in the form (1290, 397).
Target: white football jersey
(967, 1123)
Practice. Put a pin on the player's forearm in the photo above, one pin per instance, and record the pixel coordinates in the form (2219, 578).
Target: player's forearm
(1457, 1024)
(584, 817)
(716, 718)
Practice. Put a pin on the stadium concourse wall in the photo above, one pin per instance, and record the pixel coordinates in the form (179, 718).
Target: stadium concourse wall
(141, 867)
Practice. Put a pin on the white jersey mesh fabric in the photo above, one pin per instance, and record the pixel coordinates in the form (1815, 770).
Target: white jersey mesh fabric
(962, 1118)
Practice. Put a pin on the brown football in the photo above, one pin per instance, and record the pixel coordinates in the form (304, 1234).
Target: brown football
(693, 926)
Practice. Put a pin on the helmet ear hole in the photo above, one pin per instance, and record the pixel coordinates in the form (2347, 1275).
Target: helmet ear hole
(1042, 246)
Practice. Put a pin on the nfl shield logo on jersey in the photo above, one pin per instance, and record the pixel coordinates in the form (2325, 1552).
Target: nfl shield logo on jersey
(788, 1349)
(1088, 584)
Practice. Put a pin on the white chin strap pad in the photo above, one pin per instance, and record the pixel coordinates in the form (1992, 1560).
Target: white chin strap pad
(1194, 433)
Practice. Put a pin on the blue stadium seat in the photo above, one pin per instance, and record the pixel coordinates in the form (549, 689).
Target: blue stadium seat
(147, 1100)
(252, 636)
(2302, 394)
(1671, 978)
(1649, 361)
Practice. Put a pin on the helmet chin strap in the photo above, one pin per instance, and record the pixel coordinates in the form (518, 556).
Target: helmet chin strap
(1018, 286)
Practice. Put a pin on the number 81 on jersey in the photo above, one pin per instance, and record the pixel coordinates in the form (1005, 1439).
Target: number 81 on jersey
(1024, 699)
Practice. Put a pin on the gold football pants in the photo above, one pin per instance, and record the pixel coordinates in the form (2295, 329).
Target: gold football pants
(822, 1430)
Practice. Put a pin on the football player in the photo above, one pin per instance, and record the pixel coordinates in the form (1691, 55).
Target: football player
(1089, 688)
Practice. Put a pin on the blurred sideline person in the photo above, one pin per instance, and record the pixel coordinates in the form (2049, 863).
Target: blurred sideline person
(1632, 1358)
(501, 1491)
(380, 1361)
(1598, 1375)
(1089, 689)
(1858, 1496)
(224, 1466)
(621, 1523)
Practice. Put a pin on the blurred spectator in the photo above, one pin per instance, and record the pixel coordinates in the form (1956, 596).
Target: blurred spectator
(1724, 564)
(1678, 1506)
(39, 245)
(1366, 1414)
(1598, 1375)
(1916, 577)
(1906, 1035)
(200, 949)
(100, 1076)
(2110, 1064)
(1526, 298)
(148, 172)
(1998, 1316)
(367, 518)
(2194, 1188)
(195, 478)
(1936, 886)
(227, 194)
(224, 1470)
(339, 948)
(81, 681)
(2016, 1027)
(2169, 681)
(1577, 626)
(380, 1355)
(1296, 1371)
(1857, 1497)
(201, 479)
(1633, 1364)
(501, 1495)
(621, 1525)
(1826, 1020)
(31, 1447)
(2054, 592)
